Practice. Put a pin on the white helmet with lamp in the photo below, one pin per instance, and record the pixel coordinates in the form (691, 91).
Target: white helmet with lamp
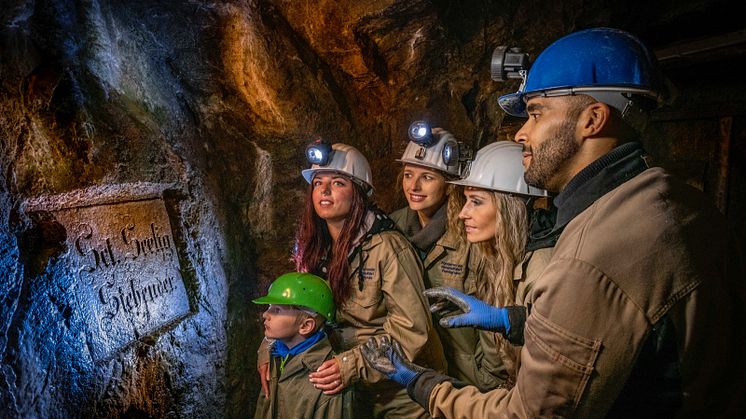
(339, 158)
(498, 167)
(433, 148)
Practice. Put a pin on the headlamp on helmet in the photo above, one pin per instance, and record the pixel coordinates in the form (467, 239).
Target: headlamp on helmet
(508, 63)
(319, 152)
(450, 153)
(456, 152)
(421, 133)
(610, 65)
(435, 148)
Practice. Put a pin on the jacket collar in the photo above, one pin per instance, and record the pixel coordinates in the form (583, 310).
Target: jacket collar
(541, 231)
(424, 238)
(309, 360)
(375, 222)
(450, 240)
(598, 178)
(519, 272)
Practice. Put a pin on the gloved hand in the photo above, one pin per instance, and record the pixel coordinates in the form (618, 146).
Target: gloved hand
(476, 313)
(386, 355)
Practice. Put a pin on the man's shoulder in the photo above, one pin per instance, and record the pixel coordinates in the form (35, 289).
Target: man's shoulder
(652, 213)
(652, 229)
(651, 194)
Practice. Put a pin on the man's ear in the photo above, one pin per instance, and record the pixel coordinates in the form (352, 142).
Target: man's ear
(593, 120)
(307, 326)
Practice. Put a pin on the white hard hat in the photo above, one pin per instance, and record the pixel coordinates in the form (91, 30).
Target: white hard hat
(347, 160)
(498, 167)
(432, 156)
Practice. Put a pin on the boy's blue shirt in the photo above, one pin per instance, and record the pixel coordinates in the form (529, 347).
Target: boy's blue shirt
(280, 349)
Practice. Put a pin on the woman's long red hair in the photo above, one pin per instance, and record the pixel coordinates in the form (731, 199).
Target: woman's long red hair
(313, 244)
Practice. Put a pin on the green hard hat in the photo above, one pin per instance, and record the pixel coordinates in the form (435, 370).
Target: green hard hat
(301, 289)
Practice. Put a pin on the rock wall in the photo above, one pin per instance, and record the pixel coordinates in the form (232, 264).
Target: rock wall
(204, 108)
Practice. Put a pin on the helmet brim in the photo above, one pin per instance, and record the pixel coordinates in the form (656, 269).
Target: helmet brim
(531, 191)
(427, 166)
(464, 182)
(309, 173)
(268, 299)
(513, 104)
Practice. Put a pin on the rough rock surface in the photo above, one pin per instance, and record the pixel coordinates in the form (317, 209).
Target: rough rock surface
(216, 100)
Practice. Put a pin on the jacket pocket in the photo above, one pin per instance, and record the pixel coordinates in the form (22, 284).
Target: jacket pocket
(369, 296)
(556, 365)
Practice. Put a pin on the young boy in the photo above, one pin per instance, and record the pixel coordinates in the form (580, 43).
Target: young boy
(299, 305)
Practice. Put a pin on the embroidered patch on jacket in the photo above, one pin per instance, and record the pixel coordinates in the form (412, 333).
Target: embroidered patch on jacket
(368, 273)
(452, 268)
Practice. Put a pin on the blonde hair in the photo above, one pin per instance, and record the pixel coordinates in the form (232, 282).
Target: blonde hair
(456, 201)
(505, 251)
(501, 255)
(304, 313)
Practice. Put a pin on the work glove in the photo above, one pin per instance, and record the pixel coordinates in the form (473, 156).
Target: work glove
(386, 355)
(475, 313)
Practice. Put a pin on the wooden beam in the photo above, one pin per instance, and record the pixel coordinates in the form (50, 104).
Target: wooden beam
(732, 43)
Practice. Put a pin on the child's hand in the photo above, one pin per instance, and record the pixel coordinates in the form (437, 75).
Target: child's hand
(264, 378)
(328, 378)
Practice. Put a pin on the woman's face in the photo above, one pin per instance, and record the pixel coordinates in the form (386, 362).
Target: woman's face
(332, 196)
(479, 215)
(425, 189)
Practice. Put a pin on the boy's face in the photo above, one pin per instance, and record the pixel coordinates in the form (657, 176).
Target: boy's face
(281, 322)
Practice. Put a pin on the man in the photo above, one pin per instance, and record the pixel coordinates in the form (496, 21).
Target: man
(639, 312)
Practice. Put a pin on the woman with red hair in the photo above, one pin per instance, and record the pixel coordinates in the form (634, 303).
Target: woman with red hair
(376, 279)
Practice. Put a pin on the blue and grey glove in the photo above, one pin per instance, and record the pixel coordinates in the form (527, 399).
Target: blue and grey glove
(508, 321)
(476, 313)
(386, 355)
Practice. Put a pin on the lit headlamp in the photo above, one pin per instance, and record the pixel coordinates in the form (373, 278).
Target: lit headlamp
(457, 153)
(451, 153)
(421, 133)
(319, 152)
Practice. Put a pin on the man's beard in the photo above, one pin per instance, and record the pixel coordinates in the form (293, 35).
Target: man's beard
(548, 158)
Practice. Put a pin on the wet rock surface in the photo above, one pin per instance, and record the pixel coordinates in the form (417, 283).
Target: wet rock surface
(213, 102)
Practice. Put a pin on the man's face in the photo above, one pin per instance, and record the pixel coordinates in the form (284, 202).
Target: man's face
(549, 142)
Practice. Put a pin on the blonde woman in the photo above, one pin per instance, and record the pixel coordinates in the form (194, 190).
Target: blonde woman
(496, 219)
(430, 222)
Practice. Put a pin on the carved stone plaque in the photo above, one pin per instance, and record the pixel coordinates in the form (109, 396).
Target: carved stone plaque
(128, 282)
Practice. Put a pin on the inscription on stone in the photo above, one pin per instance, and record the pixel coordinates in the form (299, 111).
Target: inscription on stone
(128, 282)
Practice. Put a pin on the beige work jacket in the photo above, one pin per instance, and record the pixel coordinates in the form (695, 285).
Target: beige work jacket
(391, 303)
(649, 248)
(526, 273)
(472, 355)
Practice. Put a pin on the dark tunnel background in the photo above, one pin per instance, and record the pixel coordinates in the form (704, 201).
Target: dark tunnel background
(196, 114)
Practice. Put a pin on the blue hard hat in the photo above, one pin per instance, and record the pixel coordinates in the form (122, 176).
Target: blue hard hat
(607, 64)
